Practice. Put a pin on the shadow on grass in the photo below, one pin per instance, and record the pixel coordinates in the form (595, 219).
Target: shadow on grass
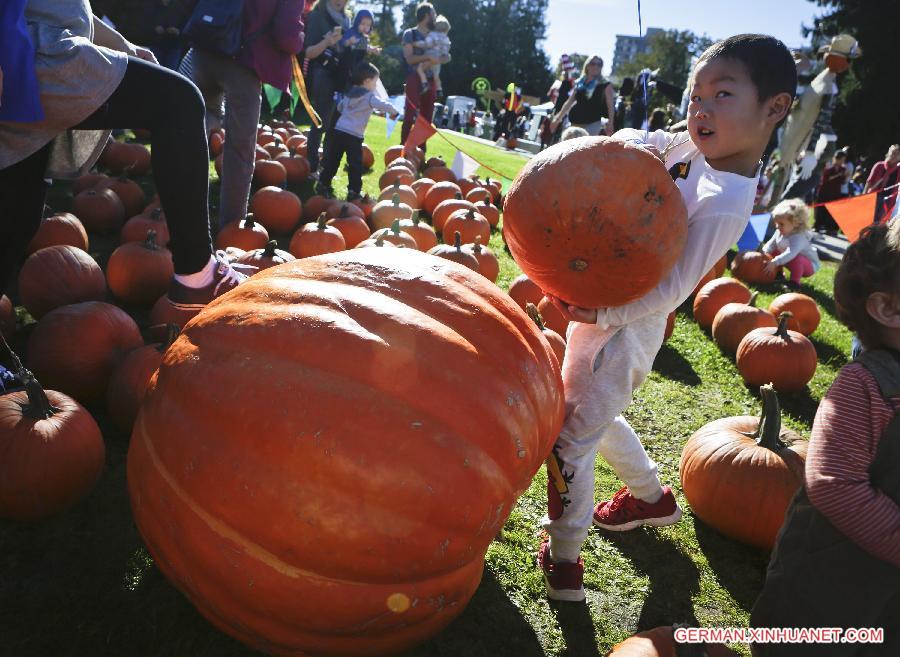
(740, 569)
(578, 629)
(490, 626)
(828, 353)
(674, 577)
(676, 367)
(802, 405)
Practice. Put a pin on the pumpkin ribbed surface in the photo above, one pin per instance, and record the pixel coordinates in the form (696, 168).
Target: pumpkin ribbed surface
(57, 276)
(59, 229)
(339, 504)
(785, 358)
(740, 473)
(594, 221)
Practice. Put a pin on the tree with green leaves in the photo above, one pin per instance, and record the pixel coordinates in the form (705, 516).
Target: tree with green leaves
(671, 52)
(866, 116)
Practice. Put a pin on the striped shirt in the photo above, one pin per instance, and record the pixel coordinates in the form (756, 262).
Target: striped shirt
(848, 426)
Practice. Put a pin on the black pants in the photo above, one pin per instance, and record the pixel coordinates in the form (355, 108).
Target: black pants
(322, 87)
(336, 145)
(150, 97)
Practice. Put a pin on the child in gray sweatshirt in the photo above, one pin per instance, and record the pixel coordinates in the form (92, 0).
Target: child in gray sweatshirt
(355, 108)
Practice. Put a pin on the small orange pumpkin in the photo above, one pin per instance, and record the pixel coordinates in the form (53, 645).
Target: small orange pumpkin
(406, 193)
(385, 212)
(455, 253)
(786, 358)
(140, 272)
(470, 224)
(715, 294)
(445, 208)
(57, 276)
(735, 320)
(135, 229)
(552, 317)
(488, 265)
(246, 234)
(396, 236)
(279, 210)
(353, 227)
(438, 192)
(524, 291)
(421, 231)
(557, 343)
(100, 210)
(59, 229)
(269, 173)
(740, 473)
(268, 256)
(805, 316)
(316, 239)
(748, 266)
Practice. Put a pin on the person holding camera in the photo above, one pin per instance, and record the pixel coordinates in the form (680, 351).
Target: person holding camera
(325, 25)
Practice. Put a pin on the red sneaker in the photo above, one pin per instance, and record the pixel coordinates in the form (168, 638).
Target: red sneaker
(624, 511)
(565, 581)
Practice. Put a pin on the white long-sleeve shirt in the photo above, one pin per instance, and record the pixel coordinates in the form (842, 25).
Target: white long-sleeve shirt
(790, 246)
(718, 205)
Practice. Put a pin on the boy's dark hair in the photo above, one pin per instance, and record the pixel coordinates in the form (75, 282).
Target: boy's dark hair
(870, 264)
(422, 10)
(362, 72)
(768, 61)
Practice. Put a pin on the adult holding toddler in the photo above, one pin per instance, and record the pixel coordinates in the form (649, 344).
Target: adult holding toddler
(419, 102)
(740, 91)
(592, 100)
(436, 46)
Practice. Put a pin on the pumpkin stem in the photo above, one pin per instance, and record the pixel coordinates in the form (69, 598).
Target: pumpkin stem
(344, 211)
(269, 251)
(752, 301)
(150, 242)
(782, 331)
(470, 215)
(476, 245)
(395, 199)
(395, 227)
(415, 218)
(156, 214)
(249, 222)
(458, 196)
(535, 315)
(321, 221)
(379, 241)
(769, 430)
(38, 407)
(457, 241)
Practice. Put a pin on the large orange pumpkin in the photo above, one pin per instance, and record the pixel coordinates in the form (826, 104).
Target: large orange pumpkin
(554, 339)
(660, 642)
(715, 294)
(805, 315)
(59, 275)
(454, 253)
(58, 229)
(735, 320)
(52, 448)
(129, 381)
(279, 210)
(135, 229)
(594, 221)
(316, 239)
(100, 210)
(786, 358)
(740, 473)
(75, 348)
(748, 267)
(524, 291)
(140, 272)
(294, 524)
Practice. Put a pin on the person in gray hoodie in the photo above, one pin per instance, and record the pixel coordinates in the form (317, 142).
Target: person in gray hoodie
(355, 109)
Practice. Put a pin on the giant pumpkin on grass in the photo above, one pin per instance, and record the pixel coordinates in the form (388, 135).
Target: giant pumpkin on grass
(302, 525)
(660, 642)
(740, 473)
(53, 451)
(57, 276)
(785, 358)
(75, 348)
(139, 272)
(594, 221)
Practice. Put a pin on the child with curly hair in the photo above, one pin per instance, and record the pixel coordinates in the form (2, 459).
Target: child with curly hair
(836, 562)
(792, 242)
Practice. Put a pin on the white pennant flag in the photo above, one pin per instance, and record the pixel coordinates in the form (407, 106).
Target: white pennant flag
(463, 165)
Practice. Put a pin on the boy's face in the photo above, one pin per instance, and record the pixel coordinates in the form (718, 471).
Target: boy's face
(365, 25)
(726, 120)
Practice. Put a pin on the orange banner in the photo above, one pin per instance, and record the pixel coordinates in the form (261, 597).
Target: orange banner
(420, 133)
(853, 214)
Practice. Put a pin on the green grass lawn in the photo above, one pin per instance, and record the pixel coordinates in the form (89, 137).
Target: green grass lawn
(82, 583)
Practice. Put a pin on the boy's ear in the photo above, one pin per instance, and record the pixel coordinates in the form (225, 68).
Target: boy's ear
(779, 106)
(882, 307)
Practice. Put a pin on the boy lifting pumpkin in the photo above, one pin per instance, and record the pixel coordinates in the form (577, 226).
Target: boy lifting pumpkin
(741, 90)
(836, 561)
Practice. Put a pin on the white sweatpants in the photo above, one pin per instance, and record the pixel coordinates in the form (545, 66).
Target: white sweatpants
(601, 371)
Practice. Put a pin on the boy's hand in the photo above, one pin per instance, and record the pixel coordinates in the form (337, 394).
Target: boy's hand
(573, 313)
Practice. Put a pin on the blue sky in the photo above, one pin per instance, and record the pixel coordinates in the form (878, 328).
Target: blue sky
(591, 26)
